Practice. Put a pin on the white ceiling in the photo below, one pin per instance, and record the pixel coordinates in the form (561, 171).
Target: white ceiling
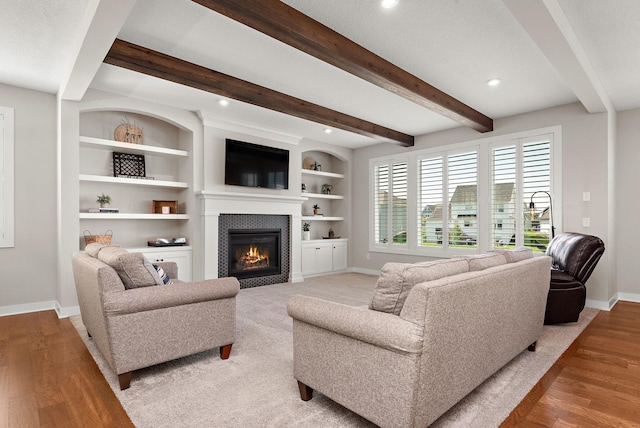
(547, 53)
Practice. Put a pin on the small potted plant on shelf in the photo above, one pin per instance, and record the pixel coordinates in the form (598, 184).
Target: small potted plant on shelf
(103, 200)
(306, 231)
(316, 208)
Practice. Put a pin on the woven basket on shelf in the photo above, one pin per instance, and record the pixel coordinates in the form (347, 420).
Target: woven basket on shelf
(102, 239)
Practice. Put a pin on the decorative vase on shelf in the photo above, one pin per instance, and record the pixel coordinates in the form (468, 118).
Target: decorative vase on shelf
(306, 235)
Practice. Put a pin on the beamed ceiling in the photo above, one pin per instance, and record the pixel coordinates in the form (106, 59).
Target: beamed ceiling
(296, 67)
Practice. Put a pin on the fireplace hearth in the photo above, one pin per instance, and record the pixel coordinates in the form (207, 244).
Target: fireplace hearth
(254, 252)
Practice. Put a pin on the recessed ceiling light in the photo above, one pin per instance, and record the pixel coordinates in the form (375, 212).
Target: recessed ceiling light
(493, 82)
(223, 103)
(388, 4)
(327, 130)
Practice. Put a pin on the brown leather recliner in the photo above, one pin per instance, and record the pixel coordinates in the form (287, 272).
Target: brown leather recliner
(574, 257)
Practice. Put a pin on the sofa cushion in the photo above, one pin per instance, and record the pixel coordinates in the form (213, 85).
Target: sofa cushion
(515, 254)
(133, 268)
(94, 248)
(484, 261)
(397, 279)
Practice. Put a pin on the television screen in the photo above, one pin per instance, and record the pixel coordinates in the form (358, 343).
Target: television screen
(254, 165)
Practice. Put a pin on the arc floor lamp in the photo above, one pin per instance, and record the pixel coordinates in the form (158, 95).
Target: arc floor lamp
(532, 210)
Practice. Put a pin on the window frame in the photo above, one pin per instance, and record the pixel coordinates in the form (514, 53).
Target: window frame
(483, 221)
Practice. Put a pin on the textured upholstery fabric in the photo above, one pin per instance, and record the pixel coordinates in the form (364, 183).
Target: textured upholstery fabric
(94, 248)
(405, 371)
(133, 268)
(484, 261)
(397, 279)
(144, 326)
(515, 254)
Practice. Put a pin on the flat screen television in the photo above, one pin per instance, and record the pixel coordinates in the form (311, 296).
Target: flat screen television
(253, 165)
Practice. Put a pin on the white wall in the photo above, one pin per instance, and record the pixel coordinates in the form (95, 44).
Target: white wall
(29, 270)
(628, 203)
(585, 168)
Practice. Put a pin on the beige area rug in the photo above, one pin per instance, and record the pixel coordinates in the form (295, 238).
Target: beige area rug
(256, 388)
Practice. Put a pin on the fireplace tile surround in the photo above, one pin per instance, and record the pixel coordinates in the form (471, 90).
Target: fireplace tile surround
(254, 222)
(221, 209)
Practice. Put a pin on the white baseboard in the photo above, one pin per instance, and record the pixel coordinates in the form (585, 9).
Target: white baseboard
(67, 312)
(607, 306)
(599, 304)
(27, 308)
(629, 297)
(38, 307)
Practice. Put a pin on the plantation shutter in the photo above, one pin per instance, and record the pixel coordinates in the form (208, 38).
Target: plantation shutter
(536, 182)
(399, 206)
(430, 215)
(381, 203)
(503, 196)
(462, 185)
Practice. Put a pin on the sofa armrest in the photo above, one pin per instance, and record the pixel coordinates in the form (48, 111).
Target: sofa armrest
(377, 328)
(164, 296)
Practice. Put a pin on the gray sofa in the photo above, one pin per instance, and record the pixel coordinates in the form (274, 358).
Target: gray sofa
(434, 331)
(137, 321)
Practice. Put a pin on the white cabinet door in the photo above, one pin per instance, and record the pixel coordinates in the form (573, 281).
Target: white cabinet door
(316, 257)
(308, 259)
(323, 257)
(339, 255)
(324, 262)
(181, 256)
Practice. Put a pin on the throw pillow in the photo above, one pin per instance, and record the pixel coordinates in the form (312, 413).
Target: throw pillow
(133, 268)
(397, 279)
(163, 275)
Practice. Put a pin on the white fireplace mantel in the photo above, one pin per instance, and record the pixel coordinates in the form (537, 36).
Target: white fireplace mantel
(216, 203)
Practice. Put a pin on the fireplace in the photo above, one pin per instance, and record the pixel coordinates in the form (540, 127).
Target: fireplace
(254, 252)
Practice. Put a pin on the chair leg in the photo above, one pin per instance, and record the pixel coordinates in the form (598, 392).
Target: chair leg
(306, 392)
(125, 380)
(532, 347)
(225, 351)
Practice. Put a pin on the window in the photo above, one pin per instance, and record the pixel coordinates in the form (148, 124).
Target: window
(521, 173)
(390, 206)
(447, 190)
(6, 177)
(473, 197)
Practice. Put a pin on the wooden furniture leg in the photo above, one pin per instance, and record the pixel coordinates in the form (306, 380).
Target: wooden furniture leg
(306, 392)
(225, 351)
(125, 380)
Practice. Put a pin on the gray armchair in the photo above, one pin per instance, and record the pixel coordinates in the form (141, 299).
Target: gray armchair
(146, 325)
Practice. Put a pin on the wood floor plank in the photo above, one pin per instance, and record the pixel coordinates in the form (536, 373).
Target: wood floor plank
(596, 382)
(49, 379)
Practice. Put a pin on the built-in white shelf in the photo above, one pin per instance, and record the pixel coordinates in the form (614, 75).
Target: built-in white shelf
(138, 149)
(322, 196)
(322, 173)
(321, 218)
(134, 181)
(133, 216)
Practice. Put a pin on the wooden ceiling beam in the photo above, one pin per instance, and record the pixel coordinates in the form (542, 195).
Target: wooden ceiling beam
(286, 24)
(137, 58)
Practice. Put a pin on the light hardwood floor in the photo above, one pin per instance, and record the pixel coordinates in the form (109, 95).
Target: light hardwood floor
(49, 379)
